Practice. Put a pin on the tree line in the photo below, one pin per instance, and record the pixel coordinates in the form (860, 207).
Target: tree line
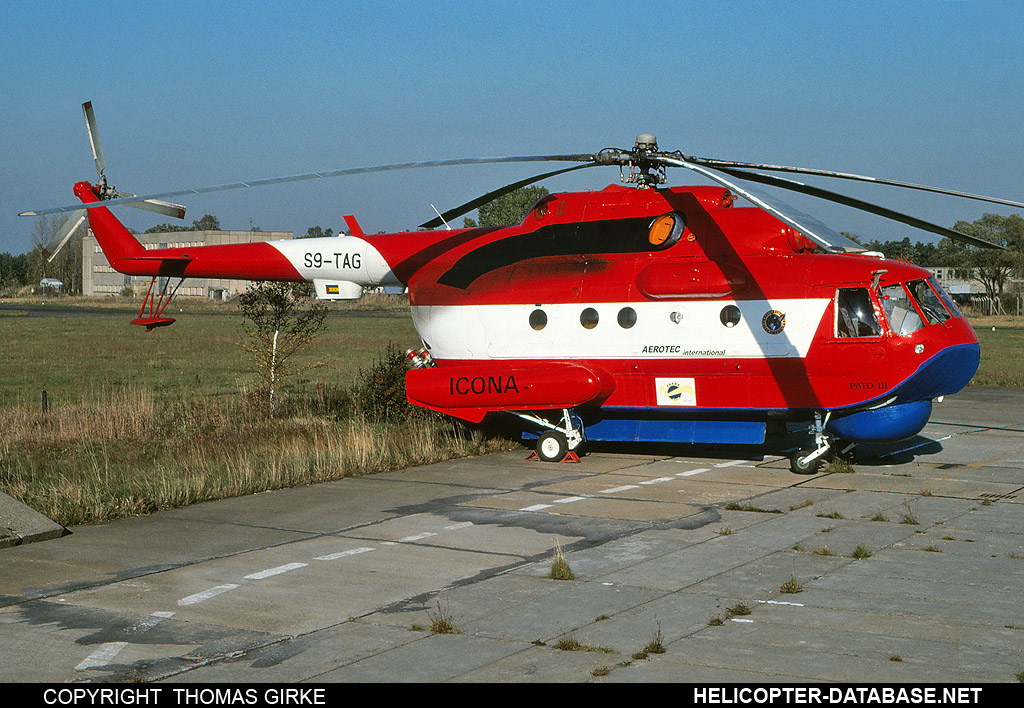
(992, 269)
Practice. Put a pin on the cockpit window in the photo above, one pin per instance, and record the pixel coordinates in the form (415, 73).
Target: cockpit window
(903, 318)
(855, 315)
(944, 296)
(928, 301)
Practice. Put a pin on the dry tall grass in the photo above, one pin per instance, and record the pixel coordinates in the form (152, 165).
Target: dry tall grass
(123, 455)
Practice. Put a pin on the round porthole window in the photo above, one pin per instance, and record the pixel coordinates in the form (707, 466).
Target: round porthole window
(538, 319)
(588, 318)
(730, 315)
(627, 317)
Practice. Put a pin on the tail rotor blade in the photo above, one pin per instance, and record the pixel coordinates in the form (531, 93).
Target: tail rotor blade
(94, 138)
(67, 230)
(155, 205)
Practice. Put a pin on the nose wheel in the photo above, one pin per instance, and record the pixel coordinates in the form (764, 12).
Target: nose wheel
(809, 460)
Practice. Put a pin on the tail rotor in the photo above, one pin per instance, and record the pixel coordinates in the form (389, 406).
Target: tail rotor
(104, 191)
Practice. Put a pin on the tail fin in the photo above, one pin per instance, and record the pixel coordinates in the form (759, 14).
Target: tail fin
(117, 242)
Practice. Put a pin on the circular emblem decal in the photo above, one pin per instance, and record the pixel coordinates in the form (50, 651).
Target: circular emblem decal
(773, 322)
(674, 391)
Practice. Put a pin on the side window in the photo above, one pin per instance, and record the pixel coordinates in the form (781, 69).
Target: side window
(855, 315)
(903, 318)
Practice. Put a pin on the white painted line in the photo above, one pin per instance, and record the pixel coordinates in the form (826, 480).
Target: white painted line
(456, 527)
(693, 472)
(914, 447)
(779, 602)
(732, 463)
(536, 507)
(147, 623)
(659, 479)
(733, 619)
(275, 571)
(568, 500)
(102, 656)
(618, 489)
(417, 537)
(343, 554)
(206, 594)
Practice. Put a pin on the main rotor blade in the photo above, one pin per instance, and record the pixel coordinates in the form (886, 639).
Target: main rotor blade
(94, 138)
(318, 175)
(859, 204)
(491, 196)
(810, 233)
(67, 230)
(724, 165)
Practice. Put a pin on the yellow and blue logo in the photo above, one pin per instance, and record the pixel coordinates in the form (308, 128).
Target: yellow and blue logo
(676, 392)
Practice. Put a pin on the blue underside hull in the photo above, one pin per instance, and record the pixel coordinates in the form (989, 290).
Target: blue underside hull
(901, 413)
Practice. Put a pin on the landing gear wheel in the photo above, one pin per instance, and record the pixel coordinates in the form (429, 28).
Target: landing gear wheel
(552, 446)
(797, 466)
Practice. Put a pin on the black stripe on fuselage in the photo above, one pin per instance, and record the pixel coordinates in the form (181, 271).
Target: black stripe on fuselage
(588, 238)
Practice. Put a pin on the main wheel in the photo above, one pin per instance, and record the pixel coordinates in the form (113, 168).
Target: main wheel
(797, 466)
(552, 446)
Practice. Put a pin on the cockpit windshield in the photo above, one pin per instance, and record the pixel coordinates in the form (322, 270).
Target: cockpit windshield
(944, 296)
(928, 301)
(899, 310)
(904, 306)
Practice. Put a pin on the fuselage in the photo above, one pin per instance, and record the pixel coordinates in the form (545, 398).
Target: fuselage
(641, 304)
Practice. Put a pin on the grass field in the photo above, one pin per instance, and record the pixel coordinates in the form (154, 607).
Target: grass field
(143, 421)
(1002, 351)
(86, 356)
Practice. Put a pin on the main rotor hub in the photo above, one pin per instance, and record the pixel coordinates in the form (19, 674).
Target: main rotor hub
(646, 142)
(644, 172)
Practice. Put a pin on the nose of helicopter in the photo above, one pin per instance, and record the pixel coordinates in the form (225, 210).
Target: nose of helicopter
(945, 373)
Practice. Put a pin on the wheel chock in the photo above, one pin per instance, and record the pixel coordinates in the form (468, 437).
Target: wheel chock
(569, 457)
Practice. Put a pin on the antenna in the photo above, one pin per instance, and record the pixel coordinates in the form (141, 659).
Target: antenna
(440, 217)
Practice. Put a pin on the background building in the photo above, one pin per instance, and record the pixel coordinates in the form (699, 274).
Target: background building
(98, 278)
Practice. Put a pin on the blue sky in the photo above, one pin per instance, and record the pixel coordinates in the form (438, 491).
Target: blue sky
(194, 94)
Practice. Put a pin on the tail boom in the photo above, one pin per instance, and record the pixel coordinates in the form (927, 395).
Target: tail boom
(244, 261)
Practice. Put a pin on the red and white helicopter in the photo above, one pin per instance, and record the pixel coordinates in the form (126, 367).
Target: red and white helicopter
(633, 313)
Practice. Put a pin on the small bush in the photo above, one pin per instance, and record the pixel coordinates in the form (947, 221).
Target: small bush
(791, 586)
(379, 392)
(442, 621)
(560, 569)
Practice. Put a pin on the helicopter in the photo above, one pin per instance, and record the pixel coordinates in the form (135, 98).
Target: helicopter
(638, 312)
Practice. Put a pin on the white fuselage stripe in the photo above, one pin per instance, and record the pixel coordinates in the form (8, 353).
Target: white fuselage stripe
(343, 258)
(662, 330)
